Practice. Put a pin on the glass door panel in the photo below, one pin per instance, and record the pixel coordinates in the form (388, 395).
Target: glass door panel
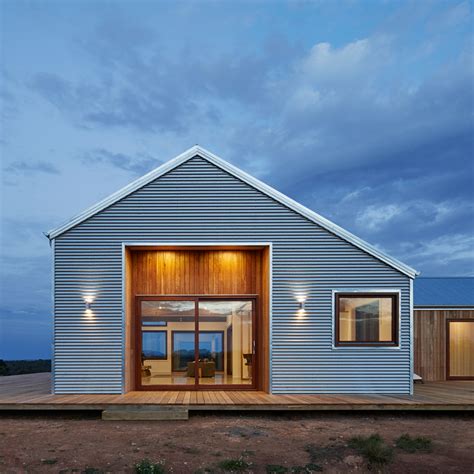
(461, 349)
(226, 342)
(167, 342)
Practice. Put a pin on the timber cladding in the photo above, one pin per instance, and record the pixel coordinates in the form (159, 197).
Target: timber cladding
(430, 331)
(196, 272)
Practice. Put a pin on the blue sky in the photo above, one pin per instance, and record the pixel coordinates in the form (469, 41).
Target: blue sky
(361, 110)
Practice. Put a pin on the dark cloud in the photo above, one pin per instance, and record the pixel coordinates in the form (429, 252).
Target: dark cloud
(31, 167)
(138, 164)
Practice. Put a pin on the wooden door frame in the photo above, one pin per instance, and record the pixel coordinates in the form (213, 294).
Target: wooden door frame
(448, 376)
(196, 298)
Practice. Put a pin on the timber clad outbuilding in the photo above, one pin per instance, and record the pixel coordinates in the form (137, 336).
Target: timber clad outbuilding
(444, 328)
(200, 275)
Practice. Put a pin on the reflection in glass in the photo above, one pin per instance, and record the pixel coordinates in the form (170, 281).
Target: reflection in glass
(167, 318)
(225, 351)
(365, 319)
(183, 349)
(154, 344)
(231, 355)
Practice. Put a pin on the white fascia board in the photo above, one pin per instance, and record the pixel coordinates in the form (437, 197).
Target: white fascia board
(250, 180)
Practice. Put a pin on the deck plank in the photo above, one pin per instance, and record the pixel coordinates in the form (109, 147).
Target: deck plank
(32, 391)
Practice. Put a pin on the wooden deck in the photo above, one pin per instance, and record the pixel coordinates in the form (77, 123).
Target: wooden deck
(31, 392)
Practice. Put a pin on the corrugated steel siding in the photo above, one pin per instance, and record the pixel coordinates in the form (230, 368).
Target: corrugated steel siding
(199, 202)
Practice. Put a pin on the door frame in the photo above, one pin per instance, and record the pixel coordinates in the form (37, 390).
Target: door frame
(196, 298)
(448, 376)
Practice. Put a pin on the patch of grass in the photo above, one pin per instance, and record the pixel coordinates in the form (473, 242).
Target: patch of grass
(414, 444)
(373, 448)
(145, 466)
(276, 469)
(318, 454)
(49, 461)
(234, 465)
(92, 470)
(308, 469)
(279, 469)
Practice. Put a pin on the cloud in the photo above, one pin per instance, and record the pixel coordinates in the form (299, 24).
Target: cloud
(110, 105)
(427, 213)
(452, 16)
(139, 164)
(448, 254)
(373, 217)
(31, 168)
(330, 67)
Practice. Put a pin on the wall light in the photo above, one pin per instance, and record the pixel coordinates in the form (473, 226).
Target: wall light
(88, 305)
(301, 305)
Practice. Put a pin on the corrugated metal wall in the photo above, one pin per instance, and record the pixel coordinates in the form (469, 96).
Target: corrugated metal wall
(199, 202)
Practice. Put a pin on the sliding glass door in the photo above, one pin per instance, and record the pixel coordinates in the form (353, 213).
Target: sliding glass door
(226, 342)
(195, 342)
(166, 341)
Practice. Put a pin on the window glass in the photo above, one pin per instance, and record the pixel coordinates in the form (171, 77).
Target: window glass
(154, 344)
(365, 318)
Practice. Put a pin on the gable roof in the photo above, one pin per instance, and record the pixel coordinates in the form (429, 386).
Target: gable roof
(444, 291)
(250, 180)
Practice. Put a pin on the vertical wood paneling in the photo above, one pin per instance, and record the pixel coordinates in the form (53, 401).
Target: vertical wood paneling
(430, 341)
(199, 202)
(129, 355)
(195, 272)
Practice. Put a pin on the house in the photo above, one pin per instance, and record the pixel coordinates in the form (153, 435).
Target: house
(444, 328)
(198, 275)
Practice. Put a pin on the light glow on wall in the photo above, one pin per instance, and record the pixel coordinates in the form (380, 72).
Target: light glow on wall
(301, 299)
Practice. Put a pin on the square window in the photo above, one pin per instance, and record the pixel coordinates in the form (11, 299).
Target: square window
(154, 345)
(366, 319)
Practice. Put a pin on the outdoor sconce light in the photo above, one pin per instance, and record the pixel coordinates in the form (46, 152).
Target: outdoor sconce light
(88, 304)
(301, 305)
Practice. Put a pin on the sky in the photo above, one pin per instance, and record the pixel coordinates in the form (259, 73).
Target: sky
(360, 110)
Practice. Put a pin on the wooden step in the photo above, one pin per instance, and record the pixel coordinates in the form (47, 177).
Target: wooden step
(145, 413)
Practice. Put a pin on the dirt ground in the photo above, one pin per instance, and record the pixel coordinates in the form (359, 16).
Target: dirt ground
(79, 443)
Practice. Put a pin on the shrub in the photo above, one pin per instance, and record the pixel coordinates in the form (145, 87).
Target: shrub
(147, 467)
(308, 469)
(412, 445)
(3, 368)
(276, 469)
(234, 465)
(373, 448)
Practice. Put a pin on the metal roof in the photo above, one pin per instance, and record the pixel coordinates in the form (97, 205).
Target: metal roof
(444, 292)
(255, 183)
